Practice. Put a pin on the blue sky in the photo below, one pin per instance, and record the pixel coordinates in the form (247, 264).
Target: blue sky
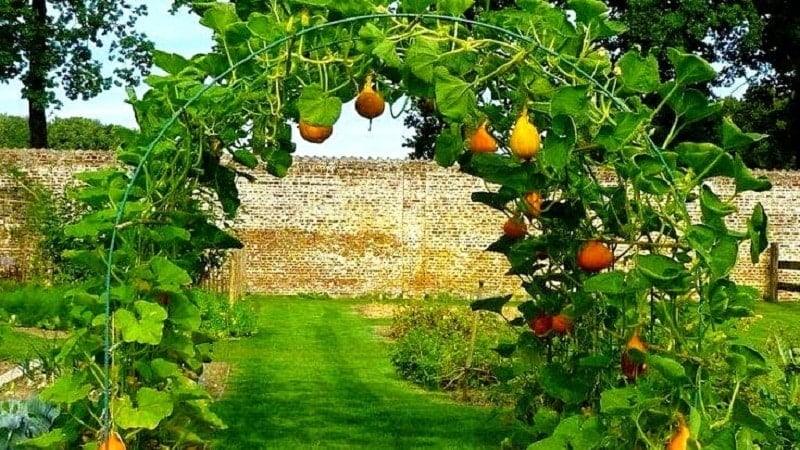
(181, 33)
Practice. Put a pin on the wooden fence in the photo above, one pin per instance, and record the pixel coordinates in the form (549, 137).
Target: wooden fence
(774, 283)
(229, 278)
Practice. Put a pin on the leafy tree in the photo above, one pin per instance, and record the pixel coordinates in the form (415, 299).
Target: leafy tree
(47, 44)
(71, 133)
(13, 132)
(764, 110)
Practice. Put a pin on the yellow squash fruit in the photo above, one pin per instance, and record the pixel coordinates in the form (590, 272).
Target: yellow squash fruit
(525, 142)
(481, 141)
(680, 438)
(369, 103)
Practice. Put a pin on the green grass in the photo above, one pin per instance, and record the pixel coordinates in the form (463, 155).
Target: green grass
(773, 319)
(317, 376)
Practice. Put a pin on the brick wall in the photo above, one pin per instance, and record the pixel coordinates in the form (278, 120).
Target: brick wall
(355, 226)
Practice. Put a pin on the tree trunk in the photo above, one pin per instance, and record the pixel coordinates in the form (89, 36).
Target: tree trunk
(36, 82)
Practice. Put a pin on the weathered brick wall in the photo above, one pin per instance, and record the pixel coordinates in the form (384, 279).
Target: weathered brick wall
(353, 226)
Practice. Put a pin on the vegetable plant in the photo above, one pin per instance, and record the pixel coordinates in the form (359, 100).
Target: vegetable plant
(598, 138)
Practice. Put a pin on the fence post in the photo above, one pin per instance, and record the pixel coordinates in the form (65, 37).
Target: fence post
(772, 275)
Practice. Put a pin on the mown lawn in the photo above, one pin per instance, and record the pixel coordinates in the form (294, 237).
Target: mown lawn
(317, 376)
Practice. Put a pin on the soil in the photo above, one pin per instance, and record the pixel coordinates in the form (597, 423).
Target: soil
(23, 387)
(376, 310)
(215, 378)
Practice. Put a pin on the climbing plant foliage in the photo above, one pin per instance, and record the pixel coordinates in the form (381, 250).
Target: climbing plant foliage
(208, 119)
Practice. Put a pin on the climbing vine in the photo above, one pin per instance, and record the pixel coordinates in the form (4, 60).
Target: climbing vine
(627, 346)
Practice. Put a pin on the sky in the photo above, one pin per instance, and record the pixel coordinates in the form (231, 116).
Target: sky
(182, 34)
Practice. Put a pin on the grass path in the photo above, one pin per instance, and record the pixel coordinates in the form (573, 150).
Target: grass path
(316, 376)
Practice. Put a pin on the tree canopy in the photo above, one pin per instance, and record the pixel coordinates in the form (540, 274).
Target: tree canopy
(49, 44)
(71, 133)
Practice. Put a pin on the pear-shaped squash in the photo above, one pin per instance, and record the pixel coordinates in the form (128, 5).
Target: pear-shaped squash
(525, 142)
(369, 103)
(481, 141)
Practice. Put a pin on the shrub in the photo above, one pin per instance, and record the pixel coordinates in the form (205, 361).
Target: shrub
(222, 318)
(48, 307)
(433, 343)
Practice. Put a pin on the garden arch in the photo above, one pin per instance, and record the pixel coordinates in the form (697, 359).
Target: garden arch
(147, 229)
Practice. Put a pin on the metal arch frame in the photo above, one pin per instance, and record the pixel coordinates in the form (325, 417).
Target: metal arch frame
(106, 416)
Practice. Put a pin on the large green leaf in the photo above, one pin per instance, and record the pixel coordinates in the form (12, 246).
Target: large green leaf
(690, 68)
(54, 438)
(757, 231)
(171, 63)
(501, 169)
(167, 273)
(455, 98)
(570, 101)
(219, 16)
(557, 382)
(448, 146)
(586, 11)
(745, 181)
(612, 282)
(582, 433)
(151, 407)
(183, 313)
(146, 326)
(561, 138)
(618, 402)
(669, 368)
(628, 125)
(453, 7)
(734, 138)
(68, 388)
(318, 107)
(693, 105)
(265, 27)
(706, 158)
(723, 256)
(637, 73)
(659, 268)
(496, 200)
(422, 57)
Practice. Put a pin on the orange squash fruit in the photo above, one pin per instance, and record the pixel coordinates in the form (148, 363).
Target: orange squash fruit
(630, 368)
(481, 141)
(680, 438)
(314, 133)
(562, 324)
(369, 103)
(515, 228)
(594, 256)
(112, 442)
(533, 204)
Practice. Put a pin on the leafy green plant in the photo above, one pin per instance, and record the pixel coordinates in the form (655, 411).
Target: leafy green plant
(45, 216)
(432, 344)
(47, 307)
(595, 166)
(222, 318)
(24, 419)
